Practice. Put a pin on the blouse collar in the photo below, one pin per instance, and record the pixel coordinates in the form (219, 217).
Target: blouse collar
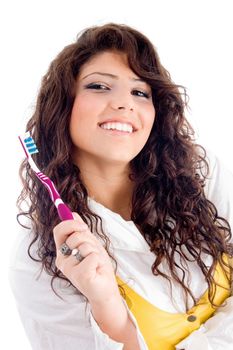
(123, 234)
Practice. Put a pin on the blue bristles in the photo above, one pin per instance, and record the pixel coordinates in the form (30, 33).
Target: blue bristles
(31, 146)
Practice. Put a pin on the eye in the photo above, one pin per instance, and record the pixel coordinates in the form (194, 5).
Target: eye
(97, 87)
(140, 93)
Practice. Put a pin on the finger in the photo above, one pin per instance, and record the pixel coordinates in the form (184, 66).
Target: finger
(73, 241)
(87, 248)
(77, 217)
(89, 266)
(66, 228)
(81, 272)
(77, 238)
(67, 263)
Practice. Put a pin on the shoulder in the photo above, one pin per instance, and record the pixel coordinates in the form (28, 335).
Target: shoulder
(219, 186)
(33, 292)
(28, 278)
(19, 259)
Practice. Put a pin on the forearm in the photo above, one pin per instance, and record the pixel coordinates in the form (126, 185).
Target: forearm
(113, 319)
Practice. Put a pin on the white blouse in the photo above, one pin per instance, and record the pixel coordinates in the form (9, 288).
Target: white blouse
(54, 323)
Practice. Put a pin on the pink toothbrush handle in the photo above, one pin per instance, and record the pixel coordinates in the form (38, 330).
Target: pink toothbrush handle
(64, 212)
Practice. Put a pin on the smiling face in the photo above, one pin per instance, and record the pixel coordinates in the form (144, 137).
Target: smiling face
(113, 112)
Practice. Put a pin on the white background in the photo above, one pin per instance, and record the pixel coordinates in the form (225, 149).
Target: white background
(194, 41)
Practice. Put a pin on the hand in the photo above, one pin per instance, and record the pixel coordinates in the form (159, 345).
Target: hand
(94, 276)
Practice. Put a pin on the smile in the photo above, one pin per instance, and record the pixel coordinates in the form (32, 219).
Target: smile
(115, 132)
(116, 126)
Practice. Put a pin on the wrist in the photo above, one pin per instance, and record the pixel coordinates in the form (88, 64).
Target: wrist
(103, 314)
(106, 301)
(113, 319)
(104, 309)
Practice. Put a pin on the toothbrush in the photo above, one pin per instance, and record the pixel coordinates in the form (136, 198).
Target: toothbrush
(30, 148)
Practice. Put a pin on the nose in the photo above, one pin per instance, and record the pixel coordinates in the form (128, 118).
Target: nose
(122, 102)
(123, 107)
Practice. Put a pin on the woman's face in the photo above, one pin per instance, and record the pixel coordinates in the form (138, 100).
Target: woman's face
(113, 112)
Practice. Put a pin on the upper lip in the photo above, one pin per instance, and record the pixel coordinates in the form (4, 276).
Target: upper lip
(119, 120)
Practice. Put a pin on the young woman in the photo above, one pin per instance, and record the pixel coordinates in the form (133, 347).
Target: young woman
(146, 263)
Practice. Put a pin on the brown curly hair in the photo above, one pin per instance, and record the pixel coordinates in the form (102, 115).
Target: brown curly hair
(169, 204)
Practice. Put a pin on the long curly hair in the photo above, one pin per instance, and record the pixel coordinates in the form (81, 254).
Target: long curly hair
(169, 205)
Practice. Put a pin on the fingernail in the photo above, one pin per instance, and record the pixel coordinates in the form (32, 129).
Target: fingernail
(83, 226)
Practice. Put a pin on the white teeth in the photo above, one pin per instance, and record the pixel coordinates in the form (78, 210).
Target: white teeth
(117, 126)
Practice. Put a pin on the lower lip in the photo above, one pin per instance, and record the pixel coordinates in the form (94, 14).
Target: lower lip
(117, 132)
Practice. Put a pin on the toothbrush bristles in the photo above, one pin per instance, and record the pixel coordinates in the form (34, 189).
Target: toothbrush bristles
(30, 144)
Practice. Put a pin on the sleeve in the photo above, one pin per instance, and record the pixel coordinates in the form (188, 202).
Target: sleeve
(214, 334)
(55, 321)
(217, 332)
(219, 188)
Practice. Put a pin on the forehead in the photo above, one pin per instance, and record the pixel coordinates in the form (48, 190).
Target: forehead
(106, 60)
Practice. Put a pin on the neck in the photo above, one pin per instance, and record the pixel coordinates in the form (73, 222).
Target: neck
(108, 185)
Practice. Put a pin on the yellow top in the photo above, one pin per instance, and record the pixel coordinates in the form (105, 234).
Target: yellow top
(163, 330)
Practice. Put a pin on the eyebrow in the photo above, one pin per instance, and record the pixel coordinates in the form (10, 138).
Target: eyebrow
(112, 76)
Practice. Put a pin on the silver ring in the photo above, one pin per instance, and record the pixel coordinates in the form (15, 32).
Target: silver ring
(65, 249)
(76, 253)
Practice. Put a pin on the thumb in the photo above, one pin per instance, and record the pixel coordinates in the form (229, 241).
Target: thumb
(78, 218)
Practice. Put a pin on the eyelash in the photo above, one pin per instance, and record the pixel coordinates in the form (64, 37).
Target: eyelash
(97, 87)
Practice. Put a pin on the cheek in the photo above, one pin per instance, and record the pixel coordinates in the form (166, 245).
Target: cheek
(76, 121)
(149, 118)
(86, 109)
(80, 109)
(80, 118)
